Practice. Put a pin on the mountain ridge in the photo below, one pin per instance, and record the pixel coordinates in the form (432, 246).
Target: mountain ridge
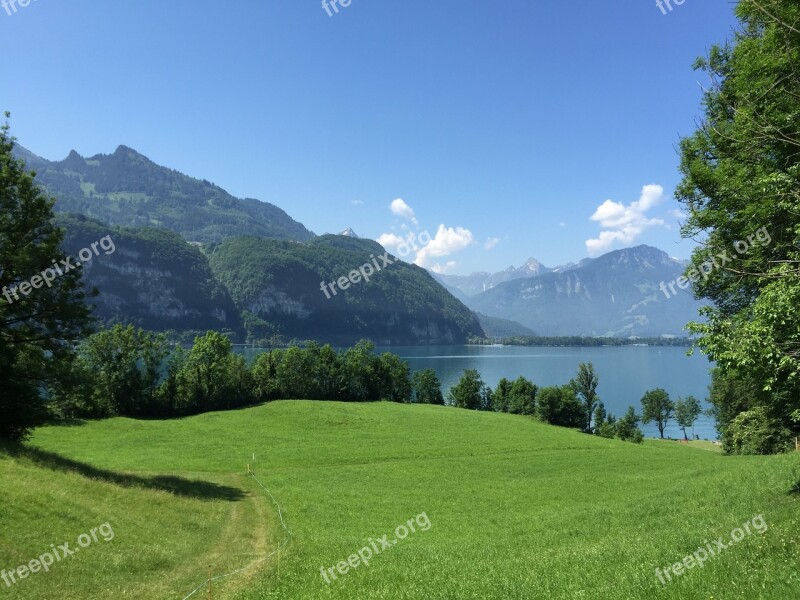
(126, 188)
(616, 294)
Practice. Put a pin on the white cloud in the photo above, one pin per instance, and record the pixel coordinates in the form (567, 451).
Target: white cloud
(356, 202)
(562, 224)
(448, 240)
(401, 209)
(389, 240)
(443, 269)
(491, 243)
(623, 224)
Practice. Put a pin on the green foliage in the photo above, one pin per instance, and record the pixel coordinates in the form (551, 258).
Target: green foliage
(599, 417)
(754, 432)
(212, 377)
(278, 285)
(657, 406)
(361, 372)
(522, 397)
(500, 397)
(627, 428)
(741, 190)
(126, 188)
(154, 279)
(121, 371)
(586, 386)
(686, 412)
(608, 428)
(38, 329)
(394, 376)
(427, 389)
(470, 392)
(561, 406)
(267, 386)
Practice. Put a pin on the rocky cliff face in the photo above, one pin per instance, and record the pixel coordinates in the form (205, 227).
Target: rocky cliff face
(151, 278)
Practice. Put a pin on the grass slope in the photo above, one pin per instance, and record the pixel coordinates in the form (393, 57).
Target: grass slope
(518, 509)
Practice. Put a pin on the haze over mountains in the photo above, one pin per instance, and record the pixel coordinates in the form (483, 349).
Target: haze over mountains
(617, 294)
(247, 267)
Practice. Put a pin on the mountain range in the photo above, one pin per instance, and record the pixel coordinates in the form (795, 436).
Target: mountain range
(617, 294)
(126, 188)
(191, 256)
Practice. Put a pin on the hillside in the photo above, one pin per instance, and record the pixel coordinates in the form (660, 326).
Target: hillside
(126, 188)
(516, 509)
(276, 286)
(150, 277)
(617, 294)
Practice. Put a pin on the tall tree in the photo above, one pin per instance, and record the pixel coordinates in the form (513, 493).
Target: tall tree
(522, 397)
(394, 377)
(656, 406)
(741, 191)
(686, 412)
(627, 428)
(559, 405)
(500, 398)
(469, 392)
(42, 311)
(427, 388)
(586, 386)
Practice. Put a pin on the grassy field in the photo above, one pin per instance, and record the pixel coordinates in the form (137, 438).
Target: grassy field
(516, 509)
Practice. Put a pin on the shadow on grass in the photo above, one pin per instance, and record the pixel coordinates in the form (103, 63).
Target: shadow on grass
(202, 490)
(67, 423)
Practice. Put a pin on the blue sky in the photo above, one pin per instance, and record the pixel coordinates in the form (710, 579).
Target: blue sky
(503, 127)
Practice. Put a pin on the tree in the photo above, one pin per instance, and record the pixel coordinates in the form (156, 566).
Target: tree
(561, 406)
(656, 406)
(627, 428)
(522, 397)
(500, 398)
(469, 392)
(586, 386)
(295, 374)
(265, 375)
(212, 377)
(394, 376)
(122, 367)
(755, 432)
(359, 368)
(600, 416)
(426, 387)
(686, 412)
(42, 312)
(741, 192)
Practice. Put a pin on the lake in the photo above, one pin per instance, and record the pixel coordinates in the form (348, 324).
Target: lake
(625, 372)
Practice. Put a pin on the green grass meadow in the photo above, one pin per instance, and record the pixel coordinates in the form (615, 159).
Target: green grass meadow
(518, 509)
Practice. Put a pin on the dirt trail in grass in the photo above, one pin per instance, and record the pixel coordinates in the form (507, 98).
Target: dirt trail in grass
(243, 543)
